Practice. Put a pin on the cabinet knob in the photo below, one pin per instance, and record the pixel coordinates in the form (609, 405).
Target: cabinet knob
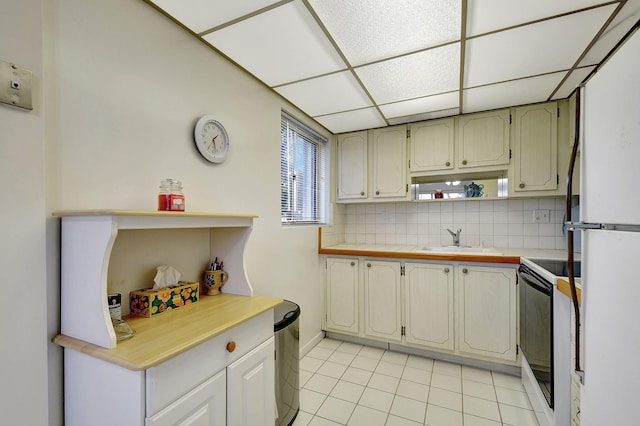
(464, 162)
(368, 265)
(231, 346)
(465, 270)
(353, 263)
(362, 193)
(522, 185)
(448, 163)
(446, 270)
(377, 192)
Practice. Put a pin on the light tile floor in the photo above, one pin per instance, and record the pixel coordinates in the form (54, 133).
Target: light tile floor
(344, 383)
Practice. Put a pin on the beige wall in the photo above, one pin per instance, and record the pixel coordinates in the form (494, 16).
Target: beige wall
(23, 353)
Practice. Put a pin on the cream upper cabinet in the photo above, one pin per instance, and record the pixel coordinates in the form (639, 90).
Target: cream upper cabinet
(352, 166)
(382, 303)
(428, 305)
(487, 311)
(535, 162)
(341, 295)
(431, 145)
(372, 166)
(390, 163)
(483, 139)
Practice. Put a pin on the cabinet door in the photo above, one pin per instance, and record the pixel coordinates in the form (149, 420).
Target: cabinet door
(382, 302)
(203, 406)
(352, 166)
(487, 307)
(431, 145)
(390, 163)
(250, 387)
(341, 297)
(483, 139)
(536, 148)
(428, 302)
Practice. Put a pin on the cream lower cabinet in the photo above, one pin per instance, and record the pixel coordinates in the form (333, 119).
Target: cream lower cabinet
(487, 311)
(341, 295)
(382, 301)
(428, 305)
(467, 310)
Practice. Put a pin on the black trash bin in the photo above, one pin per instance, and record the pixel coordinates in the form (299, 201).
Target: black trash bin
(286, 328)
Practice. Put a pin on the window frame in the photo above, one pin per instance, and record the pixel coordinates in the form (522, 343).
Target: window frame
(304, 215)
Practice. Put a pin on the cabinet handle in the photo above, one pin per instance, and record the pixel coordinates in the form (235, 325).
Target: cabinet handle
(377, 192)
(353, 263)
(446, 270)
(362, 193)
(231, 346)
(368, 265)
(448, 163)
(465, 270)
(464, 162)
(522, 185)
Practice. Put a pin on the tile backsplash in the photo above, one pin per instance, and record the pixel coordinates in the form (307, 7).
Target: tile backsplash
(492, 223)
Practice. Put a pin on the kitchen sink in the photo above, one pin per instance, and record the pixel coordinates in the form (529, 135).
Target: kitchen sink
(463, 249)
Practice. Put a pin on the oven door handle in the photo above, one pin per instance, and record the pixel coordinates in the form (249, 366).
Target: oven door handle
(534, 283)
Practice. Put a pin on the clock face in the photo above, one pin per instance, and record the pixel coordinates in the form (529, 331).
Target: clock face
(211, 139)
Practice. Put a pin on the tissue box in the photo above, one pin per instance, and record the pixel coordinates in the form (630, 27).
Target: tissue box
(149, 302)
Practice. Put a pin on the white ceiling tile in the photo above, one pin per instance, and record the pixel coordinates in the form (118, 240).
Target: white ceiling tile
(621, 24)
(490, 15)
(421, 105)
(517, 92)
(533, 49)
(371, 30)
(282, 45)
(351, 121)
(326, 94)
(575, 78)
(420, 74)
(201, 15)
(423, 117)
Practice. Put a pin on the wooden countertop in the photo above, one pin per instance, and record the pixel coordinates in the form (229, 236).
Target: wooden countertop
(564, 288)
(160, 338)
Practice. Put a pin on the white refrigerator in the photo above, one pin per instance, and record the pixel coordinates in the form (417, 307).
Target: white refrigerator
(610, 200)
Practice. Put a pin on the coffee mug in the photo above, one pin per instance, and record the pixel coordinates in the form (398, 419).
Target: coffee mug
(213, 280)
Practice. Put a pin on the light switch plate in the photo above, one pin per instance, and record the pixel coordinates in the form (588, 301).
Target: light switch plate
(15, 85)
(541, 216)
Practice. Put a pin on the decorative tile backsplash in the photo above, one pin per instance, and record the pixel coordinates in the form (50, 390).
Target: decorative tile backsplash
(492, 223)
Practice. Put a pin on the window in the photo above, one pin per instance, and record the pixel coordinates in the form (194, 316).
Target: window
(302, 173)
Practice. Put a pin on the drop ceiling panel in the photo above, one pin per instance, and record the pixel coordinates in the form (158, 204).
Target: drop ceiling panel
(367, 118)
(421, 74)
(621, 24)
(327, 94)
(516, 92)
(533, 49)
(490, 15)
(421, 105)
(280, 46)
(575, 78)
(201, 15)
(423, 117)
(376, 29)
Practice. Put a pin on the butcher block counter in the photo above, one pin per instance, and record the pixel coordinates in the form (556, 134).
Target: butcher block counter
(161, 338)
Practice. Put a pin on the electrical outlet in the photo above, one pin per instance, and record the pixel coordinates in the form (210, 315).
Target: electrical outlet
(541, 216)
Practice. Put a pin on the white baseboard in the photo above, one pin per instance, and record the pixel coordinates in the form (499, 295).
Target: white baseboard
(311, 344)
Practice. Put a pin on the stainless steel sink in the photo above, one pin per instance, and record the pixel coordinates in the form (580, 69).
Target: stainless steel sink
(462, 249)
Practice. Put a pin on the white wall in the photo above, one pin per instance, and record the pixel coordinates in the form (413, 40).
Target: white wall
(23, 353)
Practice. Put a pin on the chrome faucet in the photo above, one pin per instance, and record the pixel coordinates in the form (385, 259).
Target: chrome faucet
(456, 236)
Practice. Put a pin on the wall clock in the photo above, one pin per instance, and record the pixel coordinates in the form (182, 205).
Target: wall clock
(211, 139)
